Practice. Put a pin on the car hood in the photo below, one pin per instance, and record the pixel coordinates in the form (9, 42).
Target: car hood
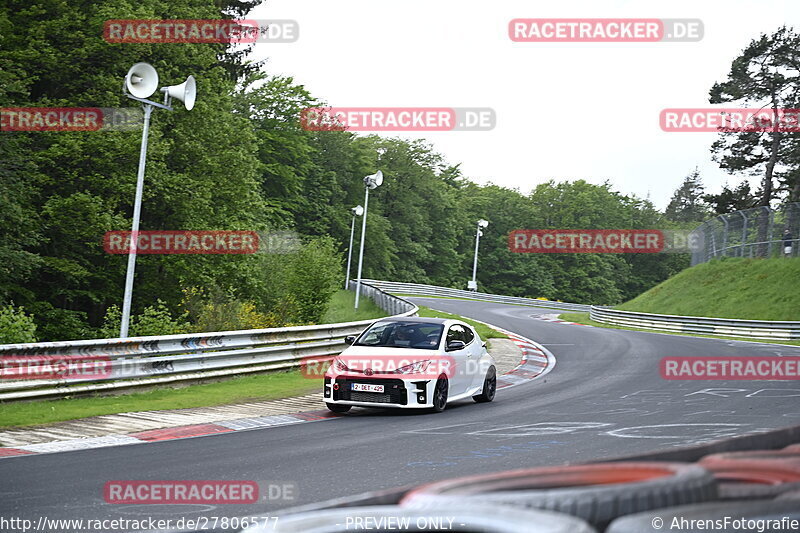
(363, 357)
(381, 351)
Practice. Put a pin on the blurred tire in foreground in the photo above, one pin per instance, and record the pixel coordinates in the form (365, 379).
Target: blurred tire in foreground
(754, 474)
(597, 493)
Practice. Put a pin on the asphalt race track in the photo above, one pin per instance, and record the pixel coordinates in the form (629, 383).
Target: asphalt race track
(605, 398)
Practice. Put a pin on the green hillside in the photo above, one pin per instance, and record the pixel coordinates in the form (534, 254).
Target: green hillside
(757, 289)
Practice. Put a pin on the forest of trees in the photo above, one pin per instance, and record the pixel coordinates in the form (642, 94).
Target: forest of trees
(241, 160)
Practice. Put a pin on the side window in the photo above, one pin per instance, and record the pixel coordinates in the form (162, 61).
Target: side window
(456, 333)
(468, 336)
(451, 335)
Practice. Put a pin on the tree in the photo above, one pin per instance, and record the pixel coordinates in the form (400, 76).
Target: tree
(730, 200)
(789, 177)
(19, 223)
(72, 187)
(240, 160)
(765, 75)
(687, 203)
(500, 270)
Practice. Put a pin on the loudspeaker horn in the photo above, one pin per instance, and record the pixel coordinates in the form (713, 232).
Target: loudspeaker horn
(374, 180)
(186, 92)
(141, 80)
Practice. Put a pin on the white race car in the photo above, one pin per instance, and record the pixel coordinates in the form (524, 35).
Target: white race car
(411, 363)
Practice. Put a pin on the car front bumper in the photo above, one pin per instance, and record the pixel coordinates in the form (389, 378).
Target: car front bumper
(398, 392)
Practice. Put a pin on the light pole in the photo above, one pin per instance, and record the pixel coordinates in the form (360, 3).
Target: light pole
(141, 82)
(473, 285)
(370, 182)
(357, 212)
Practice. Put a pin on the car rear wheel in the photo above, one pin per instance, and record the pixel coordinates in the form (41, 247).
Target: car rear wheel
(440, 394)
(489, 387)
(338, 408)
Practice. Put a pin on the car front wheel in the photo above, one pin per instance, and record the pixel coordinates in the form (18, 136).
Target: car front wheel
(440, 395)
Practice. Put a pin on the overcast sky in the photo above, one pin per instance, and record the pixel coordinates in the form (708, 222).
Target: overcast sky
(564, 110)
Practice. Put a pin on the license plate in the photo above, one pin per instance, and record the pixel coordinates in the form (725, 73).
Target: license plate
(367, 387)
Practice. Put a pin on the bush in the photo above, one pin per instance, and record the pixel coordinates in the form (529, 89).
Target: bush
(313, 278)
(282, 289)
(154, 320)
(16, 326)
(298, 286)
(58, 324)
(215, 310)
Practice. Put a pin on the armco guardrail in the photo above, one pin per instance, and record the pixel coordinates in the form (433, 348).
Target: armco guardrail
(140, 361)
(432, 290)
(755, 329)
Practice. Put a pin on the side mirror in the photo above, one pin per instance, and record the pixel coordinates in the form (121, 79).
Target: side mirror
(454, 346)
(350, 339)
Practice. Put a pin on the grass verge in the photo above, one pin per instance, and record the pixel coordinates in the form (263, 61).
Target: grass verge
(483, 330)
(583, 318)
(754, 289)
(341, 308)
(244, 389)
(257, 387)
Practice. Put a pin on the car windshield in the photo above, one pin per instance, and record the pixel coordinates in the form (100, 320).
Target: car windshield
(398, 334)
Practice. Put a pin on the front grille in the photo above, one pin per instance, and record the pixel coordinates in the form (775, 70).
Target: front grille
(394, 391)
(375, 397)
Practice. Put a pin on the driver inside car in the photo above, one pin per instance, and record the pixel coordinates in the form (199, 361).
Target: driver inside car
(401, 337)
(406, 337)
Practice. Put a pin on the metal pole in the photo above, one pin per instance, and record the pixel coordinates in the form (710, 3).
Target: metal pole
(361, 251)
(725, 237)
(137, 209)
(713, 242)
(475, 260)
(350, 252)
(744, 233)
(771, 222)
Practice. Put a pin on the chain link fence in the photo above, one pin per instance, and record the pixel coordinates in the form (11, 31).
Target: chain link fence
(757, 232)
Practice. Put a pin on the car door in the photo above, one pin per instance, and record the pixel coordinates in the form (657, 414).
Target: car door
(460, 379)
(474, 349)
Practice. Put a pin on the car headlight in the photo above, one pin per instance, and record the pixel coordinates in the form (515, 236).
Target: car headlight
(413, 368)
